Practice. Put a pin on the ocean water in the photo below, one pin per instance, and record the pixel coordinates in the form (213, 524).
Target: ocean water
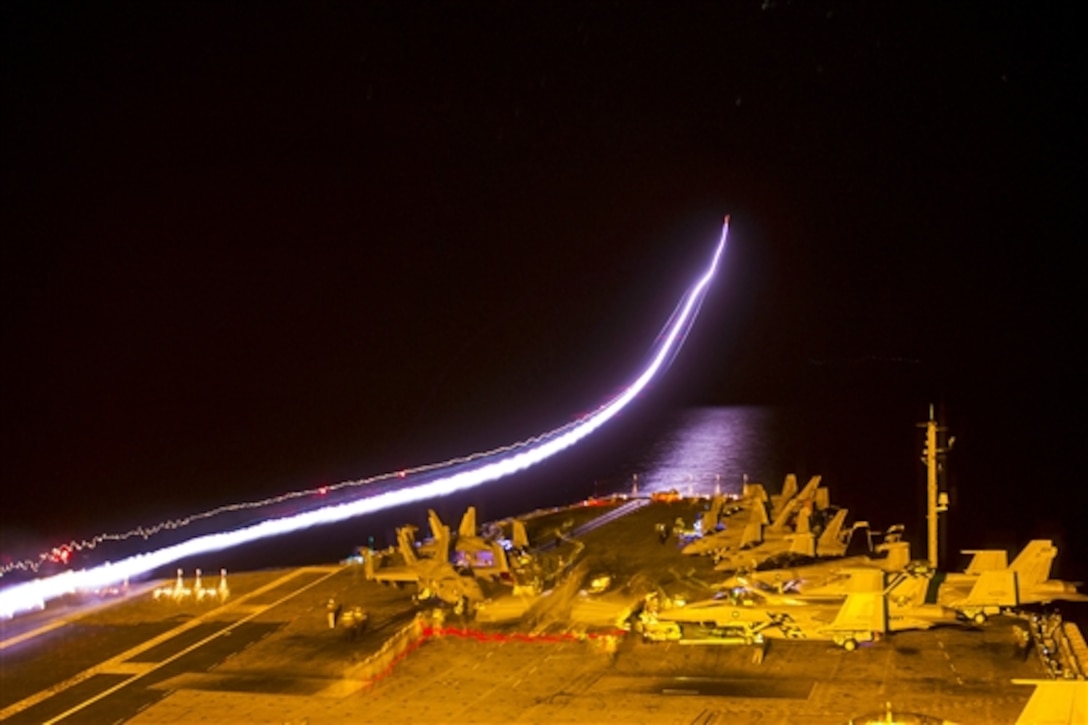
(869, 464)
(702, 451)
(867, 453)
(869, 456)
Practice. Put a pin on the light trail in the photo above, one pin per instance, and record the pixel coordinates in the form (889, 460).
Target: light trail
(506, 461)
(63, 552)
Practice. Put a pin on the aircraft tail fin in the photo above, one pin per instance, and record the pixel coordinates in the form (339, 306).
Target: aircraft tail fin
(809, 491)
(803, 544)
(519, 536)
(994, 588)
(759, 513)
(754, 491)
(804, 521)
(1061, 702)
(985, 560)
(468, 523)
(442, 545)
(406, 544)
(783, 517)
(713, 514)
(757, 495)
(753, 534)
(1032, 565)
(435, 523)
(807, 498)
(499, 563)
(789, 487)
(830, 542)
(789, 490)
(862, 612)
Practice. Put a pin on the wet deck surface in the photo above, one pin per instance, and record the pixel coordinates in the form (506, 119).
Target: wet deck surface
(270, 656)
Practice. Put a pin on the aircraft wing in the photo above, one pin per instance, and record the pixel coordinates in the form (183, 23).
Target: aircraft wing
(1055, 702)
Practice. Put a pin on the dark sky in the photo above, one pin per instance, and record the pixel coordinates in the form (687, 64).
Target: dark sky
(248, 248)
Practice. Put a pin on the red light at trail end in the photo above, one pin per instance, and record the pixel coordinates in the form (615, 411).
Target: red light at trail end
(322, 490)
(402, 474)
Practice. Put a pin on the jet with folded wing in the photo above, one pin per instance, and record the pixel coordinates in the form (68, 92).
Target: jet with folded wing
(435, 576)
(467, 550)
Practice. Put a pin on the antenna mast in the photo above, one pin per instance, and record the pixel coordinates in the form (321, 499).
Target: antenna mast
(936, 501)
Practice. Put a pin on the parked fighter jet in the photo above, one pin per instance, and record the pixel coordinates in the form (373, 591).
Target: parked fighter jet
(485, 557)
(863, 610)
(435, 576)
(985, 588)
(788, 573)
(910, 605)
(746, 616)
(906, 593)
(709, 522)
(980, 590)
(467, 537)
(728, 538)
(790, 532)
(751, 534)
(803, 543)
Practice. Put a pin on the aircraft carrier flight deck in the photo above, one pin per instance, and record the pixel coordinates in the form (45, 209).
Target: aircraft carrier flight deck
(560, 641)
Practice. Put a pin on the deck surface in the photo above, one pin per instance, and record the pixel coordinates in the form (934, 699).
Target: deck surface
(267, 655)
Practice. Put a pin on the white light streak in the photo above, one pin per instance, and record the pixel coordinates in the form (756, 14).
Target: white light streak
(507, 460)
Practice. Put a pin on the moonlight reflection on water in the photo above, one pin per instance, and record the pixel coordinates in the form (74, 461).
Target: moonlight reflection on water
(705, 449)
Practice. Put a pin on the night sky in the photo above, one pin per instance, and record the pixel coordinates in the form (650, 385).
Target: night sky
(252, 248)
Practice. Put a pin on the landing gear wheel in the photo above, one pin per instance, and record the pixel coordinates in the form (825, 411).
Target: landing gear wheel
(979, 618)
(850, 645)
